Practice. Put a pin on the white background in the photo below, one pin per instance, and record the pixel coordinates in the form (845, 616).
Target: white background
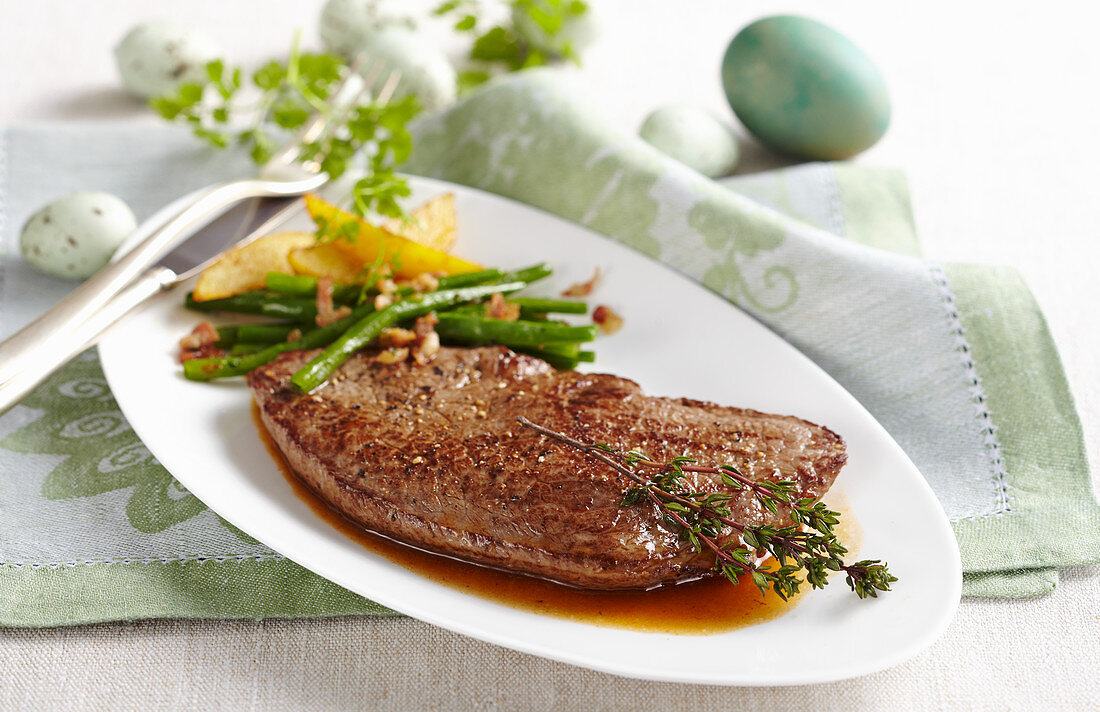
(995, 122)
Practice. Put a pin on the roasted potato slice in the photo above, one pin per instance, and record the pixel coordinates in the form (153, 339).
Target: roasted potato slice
(245, 268)
(364, 242)
(326, 260)
(433, 224)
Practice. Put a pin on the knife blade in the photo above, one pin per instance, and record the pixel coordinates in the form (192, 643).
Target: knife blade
(241, 224)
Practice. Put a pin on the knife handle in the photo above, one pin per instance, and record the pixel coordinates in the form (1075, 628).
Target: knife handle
(21, 349)
(73, 341)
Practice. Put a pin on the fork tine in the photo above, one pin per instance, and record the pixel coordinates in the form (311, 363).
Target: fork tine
(319, 121)
(389, 87)
(344, 105)
(311, 131)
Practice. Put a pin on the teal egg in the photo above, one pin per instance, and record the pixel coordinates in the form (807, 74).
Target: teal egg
(803, 88)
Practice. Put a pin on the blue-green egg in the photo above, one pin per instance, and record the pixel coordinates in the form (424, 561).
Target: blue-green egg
(803, 88)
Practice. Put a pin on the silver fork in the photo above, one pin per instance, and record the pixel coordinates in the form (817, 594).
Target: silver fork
(31, 354)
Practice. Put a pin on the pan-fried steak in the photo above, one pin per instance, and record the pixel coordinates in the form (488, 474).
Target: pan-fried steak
(432, 456)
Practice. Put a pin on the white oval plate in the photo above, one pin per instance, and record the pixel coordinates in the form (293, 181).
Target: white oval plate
(678, 340)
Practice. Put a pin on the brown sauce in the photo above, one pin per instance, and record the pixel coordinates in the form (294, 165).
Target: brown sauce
(695, 608)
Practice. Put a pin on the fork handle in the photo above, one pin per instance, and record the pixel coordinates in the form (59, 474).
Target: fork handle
(72, 342)
(28, 344)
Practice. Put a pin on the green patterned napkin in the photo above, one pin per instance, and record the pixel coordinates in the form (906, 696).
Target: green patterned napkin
(954, 360)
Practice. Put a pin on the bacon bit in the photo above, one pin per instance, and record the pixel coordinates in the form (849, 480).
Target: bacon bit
(324, 294)
(294, 335)
(425, 324)
(497, 308)
(382, 301)
(583, 289)
(200, 343)
(421, 342)
(608, 319)
(392, 356)
(204, 351)
(337, 315)
(426, 348)
(202, 335)
(427, 341)
(396, 337)
(425, 282)
(326, 314)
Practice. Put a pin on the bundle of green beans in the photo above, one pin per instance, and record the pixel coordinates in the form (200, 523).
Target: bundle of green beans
(456, 302)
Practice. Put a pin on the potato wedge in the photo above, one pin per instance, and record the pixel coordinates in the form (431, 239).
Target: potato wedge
(364, 242)
(433, 224)
(326, 260)
(245, 268)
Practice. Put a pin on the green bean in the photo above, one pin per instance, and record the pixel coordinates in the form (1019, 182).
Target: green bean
(475, 309)
(259, 302)
(205, 369)
(291, 283)
(564, 357)
(561, 363)
(470, 279)
(529, 274)
(561, 355)
(243, 348)
(567, 349)
(254, 333)
(301, 285)
(478, 309)
(368, 327)
(535, 305)
(473, 329)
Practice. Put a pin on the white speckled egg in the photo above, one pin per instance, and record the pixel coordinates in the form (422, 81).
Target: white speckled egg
(346, 23)
(424, 69)
(76, 235)
(694, 137)
(579, 31)
(155, 58)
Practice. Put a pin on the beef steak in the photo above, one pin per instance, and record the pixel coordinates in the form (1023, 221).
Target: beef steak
(432, 456)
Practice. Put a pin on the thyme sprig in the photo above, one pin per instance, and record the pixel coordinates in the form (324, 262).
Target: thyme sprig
(223, 111)
(807, 549)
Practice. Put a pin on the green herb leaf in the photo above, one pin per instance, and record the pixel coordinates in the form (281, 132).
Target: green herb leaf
(291, 90)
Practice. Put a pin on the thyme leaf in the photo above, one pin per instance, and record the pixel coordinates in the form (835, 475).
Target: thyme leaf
(806, 550)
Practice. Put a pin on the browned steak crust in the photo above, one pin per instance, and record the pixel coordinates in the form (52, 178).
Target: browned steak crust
(432, 456)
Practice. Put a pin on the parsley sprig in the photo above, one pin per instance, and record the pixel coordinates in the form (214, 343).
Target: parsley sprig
(806, 550)
(510, 45)
(224, 110)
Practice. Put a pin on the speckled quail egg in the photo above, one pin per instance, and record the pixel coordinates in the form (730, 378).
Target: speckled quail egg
(424, 69)
(579, 31)
(156, 58)
(76, 235)
(346, 23)
(693, 136)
